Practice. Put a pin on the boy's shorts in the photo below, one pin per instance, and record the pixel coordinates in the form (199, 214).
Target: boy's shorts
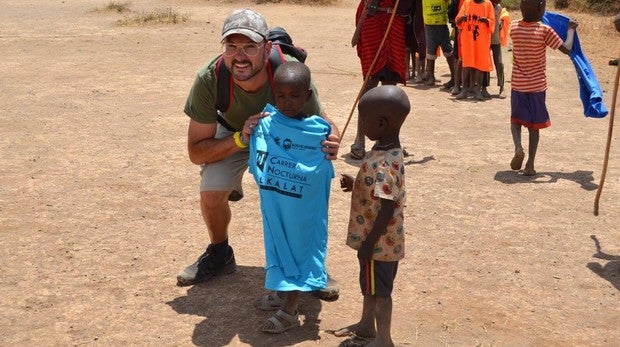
(377, 277)
(437, 36)
(529, 109)
(226, 174)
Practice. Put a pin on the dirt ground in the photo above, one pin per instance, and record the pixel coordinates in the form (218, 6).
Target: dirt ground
(99, 202)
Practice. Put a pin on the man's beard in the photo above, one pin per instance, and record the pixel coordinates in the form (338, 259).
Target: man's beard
(245, 76)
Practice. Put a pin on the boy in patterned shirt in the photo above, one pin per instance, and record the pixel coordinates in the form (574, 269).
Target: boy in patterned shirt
(529, 80)
(376, 218)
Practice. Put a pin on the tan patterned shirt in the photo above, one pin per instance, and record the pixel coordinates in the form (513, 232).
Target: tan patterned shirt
(381, 176)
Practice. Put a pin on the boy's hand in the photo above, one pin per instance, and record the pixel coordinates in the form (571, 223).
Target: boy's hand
(364, 253)
(573, 24)
(346, 182)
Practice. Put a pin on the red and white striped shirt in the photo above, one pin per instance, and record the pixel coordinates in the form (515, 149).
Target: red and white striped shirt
(529, 42)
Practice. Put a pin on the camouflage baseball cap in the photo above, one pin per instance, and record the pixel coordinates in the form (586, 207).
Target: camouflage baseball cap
(246, 22)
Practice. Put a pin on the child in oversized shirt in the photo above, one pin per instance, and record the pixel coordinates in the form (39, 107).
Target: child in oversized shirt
(376, 219)
(293, 175)
(476, 22)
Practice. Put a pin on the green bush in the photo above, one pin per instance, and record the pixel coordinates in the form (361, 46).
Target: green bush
(604, 6)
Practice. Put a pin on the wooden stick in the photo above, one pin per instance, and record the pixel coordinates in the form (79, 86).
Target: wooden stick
(367, 77)
(607, 148)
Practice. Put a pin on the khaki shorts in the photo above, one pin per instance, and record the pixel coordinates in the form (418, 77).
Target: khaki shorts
(226, 174)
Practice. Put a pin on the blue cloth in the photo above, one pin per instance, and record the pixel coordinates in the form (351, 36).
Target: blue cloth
(589, 88)
(294, 181)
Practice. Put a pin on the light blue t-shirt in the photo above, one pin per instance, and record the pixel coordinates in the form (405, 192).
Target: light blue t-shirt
(294, 180)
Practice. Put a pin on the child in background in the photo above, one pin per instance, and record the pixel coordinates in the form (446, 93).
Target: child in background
(376, 218)
(437, 35)
(529, 78)
(453, 10)
(290, 169)
(476, 21)
(416, 42)
(499, 38)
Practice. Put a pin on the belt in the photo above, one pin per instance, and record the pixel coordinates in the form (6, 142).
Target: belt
(389, 10)
(385, 9)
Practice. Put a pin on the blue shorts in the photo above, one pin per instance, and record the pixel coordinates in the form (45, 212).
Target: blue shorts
(529, 109)
(437, 36)
(377, 277)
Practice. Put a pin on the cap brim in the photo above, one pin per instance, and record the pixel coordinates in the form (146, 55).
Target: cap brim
(252, 35)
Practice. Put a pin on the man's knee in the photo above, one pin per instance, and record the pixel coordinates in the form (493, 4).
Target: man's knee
(213, 199)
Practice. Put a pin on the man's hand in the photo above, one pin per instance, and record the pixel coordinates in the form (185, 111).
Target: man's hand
(331, 146)
(250, 124)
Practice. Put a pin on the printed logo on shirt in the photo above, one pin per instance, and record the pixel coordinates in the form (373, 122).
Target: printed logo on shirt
(287, 144)
(281, 175)
(261, 159)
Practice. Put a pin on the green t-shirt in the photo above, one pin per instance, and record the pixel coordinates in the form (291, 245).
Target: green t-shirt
(200, 104)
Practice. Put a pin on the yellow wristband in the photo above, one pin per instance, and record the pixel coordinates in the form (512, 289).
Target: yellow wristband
(238, 141)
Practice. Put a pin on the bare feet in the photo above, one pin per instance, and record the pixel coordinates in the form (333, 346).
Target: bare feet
(356, 330)
(529, 171)
(517, 160)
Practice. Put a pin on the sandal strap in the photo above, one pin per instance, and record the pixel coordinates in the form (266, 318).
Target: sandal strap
(279, 318)
(290, 318)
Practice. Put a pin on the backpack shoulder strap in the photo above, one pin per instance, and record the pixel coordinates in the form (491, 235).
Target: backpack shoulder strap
(276, 58)
(224, 86)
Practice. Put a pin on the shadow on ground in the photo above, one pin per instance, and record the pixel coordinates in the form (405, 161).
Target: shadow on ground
(228, 306)
(611, 270)
(584, 178)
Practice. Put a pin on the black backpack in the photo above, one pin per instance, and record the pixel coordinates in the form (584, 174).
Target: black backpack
(282, 44)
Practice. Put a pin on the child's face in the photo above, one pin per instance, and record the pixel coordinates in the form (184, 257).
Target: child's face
(290, 98)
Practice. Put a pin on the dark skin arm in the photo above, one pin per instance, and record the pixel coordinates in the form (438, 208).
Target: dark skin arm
(386, 212)
(568, 44)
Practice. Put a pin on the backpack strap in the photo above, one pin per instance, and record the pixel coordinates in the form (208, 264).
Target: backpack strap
(224, 86)
(224, 81)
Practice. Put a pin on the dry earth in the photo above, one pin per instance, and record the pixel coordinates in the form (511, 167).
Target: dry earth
(99, 203)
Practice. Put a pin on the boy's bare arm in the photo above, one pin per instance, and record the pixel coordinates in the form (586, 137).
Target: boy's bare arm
(379, 227)
(567, 46)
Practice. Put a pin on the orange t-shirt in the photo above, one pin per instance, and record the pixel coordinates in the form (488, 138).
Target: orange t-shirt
(475, 36)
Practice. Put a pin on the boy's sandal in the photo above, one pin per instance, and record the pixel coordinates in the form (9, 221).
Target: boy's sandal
(270, 302)
(280, 322)
(354, 342)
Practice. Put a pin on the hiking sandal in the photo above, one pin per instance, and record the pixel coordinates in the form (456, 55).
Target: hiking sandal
(280, 322)
(270, 302)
